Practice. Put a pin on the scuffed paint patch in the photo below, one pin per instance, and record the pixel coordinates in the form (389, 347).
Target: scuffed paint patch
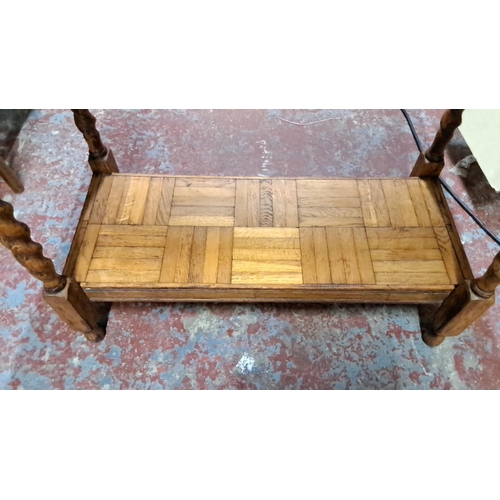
(5, 380)
(245, 364)
(15, 296)
(59, 118)
(33, 380)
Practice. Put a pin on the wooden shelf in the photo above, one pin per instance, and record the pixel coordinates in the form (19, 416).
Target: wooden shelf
(168, 238)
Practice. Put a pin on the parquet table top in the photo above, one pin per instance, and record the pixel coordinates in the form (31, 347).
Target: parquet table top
(198, 238)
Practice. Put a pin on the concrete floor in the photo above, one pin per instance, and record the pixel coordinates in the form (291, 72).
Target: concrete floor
(233, 346)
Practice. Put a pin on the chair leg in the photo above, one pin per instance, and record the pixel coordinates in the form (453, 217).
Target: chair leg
(77, 311)
(7, 174)
(62, 293)
(101, 159)
(430, 163)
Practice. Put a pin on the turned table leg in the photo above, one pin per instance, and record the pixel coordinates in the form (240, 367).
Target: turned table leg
(101, 159)
(469, 301)
(431, 163)
(62, 293)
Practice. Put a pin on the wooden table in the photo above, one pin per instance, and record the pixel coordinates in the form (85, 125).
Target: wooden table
(167, 238)
(177, 238)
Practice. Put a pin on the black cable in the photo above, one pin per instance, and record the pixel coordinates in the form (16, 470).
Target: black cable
(469, 211)
(448, 188)
(413, 131)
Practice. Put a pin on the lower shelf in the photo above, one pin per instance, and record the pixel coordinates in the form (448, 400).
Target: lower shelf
(173, 238)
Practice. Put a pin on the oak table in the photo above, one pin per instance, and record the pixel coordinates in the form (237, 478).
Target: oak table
(243, 239)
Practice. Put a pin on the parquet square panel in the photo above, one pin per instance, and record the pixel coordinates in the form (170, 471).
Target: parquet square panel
(266, 255)
(203, 202)
(334, 203)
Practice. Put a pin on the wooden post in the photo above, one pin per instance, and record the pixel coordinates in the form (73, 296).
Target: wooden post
(431, 163)
(101, 159)
(76, 310)
(463, 306)
(63, 294)
(10, 177)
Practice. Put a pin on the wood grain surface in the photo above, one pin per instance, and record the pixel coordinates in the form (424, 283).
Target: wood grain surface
(390, 239)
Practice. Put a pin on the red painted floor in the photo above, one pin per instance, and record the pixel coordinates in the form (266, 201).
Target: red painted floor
(233, 346)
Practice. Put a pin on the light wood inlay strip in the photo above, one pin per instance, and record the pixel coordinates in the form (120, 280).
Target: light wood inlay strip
(349, 256)
(165, 204)
(448, 254)
(335, 255)
(363, 255)
(140, 198)
(405, 203)
(152, 202)
(181, 274)
(419, 203)
(225, 255)
(86, 251)
(432, 205)
(119, 184)
(198, 255)
(211, 264)
(321, 255)
(266, 203)
(307, 256)
(391, 198)
(241, 203)
(285, 203)
(101, 200)
(127, 202)
(253, 203)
